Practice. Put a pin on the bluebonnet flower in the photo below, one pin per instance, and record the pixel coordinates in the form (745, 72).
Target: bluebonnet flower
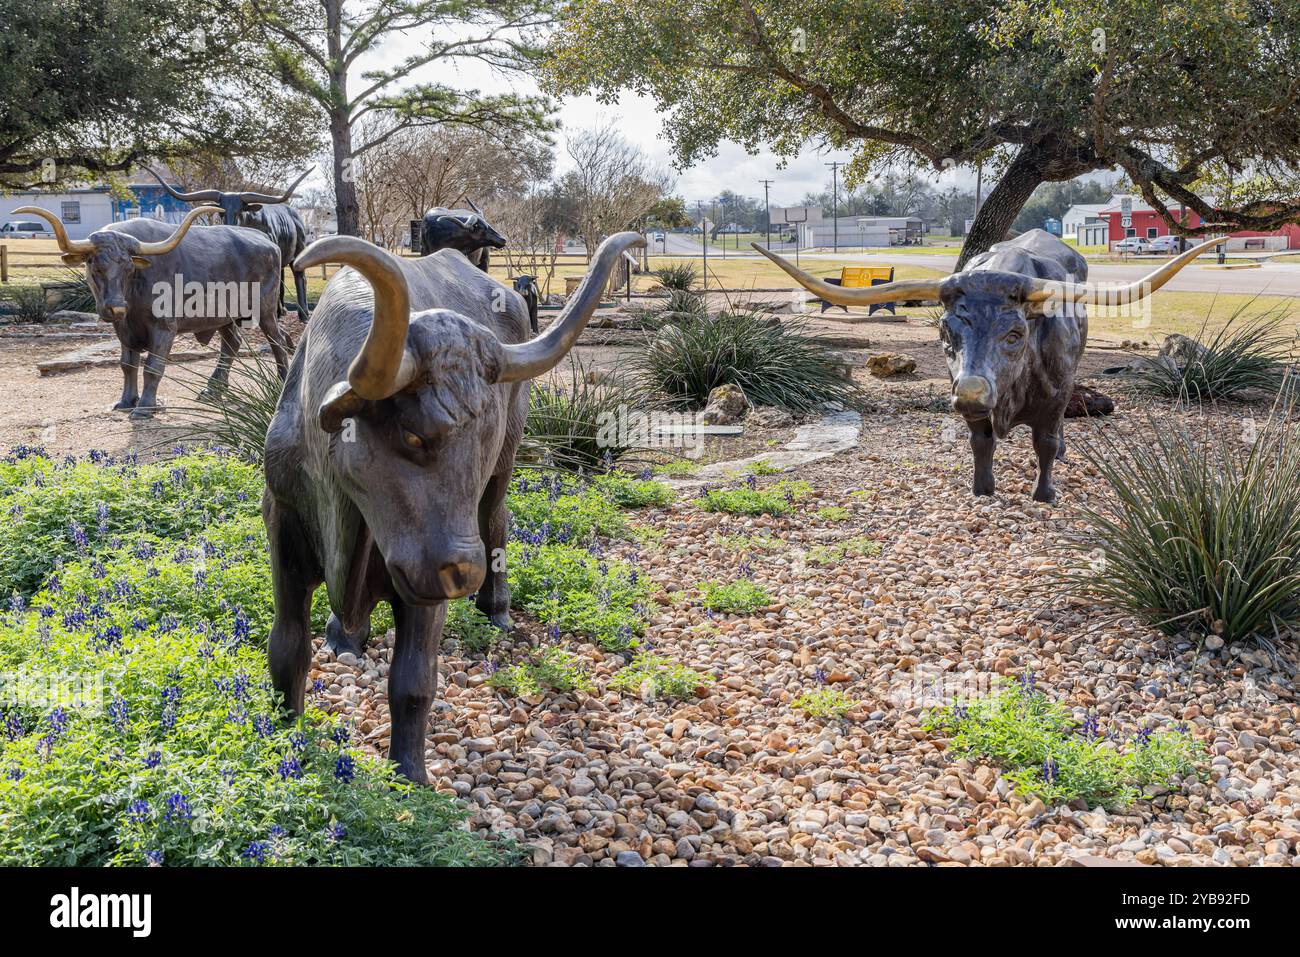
(1091, 728)
(15, 774)
(47, 611)
(335, 831)
(54, 586)
(99, 457)
(153, 858)
(345, 768)
(318, 686)
(1028, 682)
(256, 851)
(118, 711)
(236, 716)
(645, 475)
(45, 746)
(200, 579)
(78, 536)
(178, 807)
(17, 603)
(960, 712)
(298, 741)
(340, 735)
(139, 624)
(262, 725)
(110, 637)
(101, 515)
(228, 775)
(167, 623)
(178, 476)
(14, 727)
(153, 759)
(289, 768)
(1050, 771)
(819, 676)
(242, 629)
(277, 831)
(59, 720)
(1143, 738)
(553, 631)
(138, 811)
(751, 482)
(143, 551)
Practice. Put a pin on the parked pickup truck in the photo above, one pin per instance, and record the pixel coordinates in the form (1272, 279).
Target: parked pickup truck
(25, 229)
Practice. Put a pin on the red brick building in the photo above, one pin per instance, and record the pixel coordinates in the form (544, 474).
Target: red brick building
(1147, 224)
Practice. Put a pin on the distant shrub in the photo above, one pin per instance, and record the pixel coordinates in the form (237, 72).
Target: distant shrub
(29, 303)
(552, 669)
(1044, 752)
(677, 276)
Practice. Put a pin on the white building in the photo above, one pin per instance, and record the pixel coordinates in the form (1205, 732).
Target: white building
(862, 231)
(82, 210)
(1081, 213)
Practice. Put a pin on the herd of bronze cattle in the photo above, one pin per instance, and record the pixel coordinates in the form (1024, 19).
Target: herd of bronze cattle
(390, 452)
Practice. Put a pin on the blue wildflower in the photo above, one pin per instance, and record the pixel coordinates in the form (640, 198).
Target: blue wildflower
(178, 807)
(138, 811)
(289, 768)
(345, 768)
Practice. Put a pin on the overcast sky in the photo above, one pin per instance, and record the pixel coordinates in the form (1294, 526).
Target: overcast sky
(637, 119)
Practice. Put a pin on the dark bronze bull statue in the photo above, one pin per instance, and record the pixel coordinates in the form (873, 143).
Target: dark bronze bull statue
(1013, 332)
(390, 453)
(464, 229)
(266, 213)
(152, 287)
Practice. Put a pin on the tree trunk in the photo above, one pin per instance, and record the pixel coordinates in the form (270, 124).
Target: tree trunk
(1004, 204)
(345, 189)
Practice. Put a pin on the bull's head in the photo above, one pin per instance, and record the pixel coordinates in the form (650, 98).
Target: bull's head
(235, 207)
(111, 257)
(988, 315)
(417, 426)
(462, 229)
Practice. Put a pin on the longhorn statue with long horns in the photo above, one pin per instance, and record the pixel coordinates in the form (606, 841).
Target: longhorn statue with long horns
(389, 457)
(1013, 332)
(267, 213)
(153, 281)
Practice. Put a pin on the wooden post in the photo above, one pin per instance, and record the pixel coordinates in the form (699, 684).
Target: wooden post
(4, 263)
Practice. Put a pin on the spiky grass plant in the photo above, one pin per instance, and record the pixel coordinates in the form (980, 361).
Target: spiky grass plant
(677, 276)
(775, 363)
(1245, 354)
(571, 428)
(234, 417)
(1200, 530)
(29, 304)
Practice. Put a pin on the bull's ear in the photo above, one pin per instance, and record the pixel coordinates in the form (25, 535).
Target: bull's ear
(251, 208)
(140, 262)
(73, 259)
(340, 403)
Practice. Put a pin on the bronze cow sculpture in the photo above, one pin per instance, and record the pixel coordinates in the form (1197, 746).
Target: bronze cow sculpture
(390, 453)
(465, 229)
(152, 286)
(1013, 332)
(266, 213)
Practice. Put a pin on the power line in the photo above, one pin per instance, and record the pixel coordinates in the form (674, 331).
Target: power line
(767, 205)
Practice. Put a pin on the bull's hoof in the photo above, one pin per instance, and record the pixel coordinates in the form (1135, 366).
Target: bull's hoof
(1045, 495)
(141, 412)
(982, 488)
(502, 621)
(338, 640)
(125, 405)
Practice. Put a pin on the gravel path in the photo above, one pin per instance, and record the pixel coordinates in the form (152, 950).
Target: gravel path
(739, 777)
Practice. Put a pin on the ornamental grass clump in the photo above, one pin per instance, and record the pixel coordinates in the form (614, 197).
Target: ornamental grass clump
(1200, 531)
(234, 415)
(1245, 355)
(1043, 751)
(569, 426)
(777, 364)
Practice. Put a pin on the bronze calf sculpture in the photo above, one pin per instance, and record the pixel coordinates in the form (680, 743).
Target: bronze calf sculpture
(1013, 332)
(390, 453)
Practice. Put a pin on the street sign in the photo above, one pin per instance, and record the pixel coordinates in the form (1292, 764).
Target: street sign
(705, 225)
(1126, 211)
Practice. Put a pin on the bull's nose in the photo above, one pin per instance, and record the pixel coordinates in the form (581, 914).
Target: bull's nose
(116, 312)
(972, 390)
(460, 578)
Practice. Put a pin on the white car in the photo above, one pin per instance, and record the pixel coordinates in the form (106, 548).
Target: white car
(1133, 244)
(1166, 244)
(25, 229)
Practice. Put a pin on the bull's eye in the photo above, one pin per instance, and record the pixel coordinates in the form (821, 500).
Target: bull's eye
(1012, 338)
(412, 440)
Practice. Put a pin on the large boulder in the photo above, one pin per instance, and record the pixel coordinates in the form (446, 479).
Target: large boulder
(770, 417)
(885, 364)
(1086, 401)
(727, 405)
(1182, 350)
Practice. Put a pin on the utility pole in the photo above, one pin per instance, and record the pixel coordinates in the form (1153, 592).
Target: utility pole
(704, 242)
(767, 205)
(835, 202)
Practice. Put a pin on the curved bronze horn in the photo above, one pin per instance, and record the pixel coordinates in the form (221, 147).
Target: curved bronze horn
(198, 196)
(1115, 295)
(268, 198)
(383, 366)
(528, 360)
(886, 292)
(172, 241)
(473, 207)
(79, 247)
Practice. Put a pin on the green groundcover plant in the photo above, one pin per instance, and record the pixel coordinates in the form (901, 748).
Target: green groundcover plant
(139, 726)
(1043, 751)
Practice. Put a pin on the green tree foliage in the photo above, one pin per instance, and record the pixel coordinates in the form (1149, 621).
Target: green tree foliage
(1173, 93)
(96, 85)
(1055, 199)
(313, 46)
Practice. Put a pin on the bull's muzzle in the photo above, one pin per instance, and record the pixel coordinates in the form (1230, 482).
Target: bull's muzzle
(114, 313)
(453, 574)
(973, 395)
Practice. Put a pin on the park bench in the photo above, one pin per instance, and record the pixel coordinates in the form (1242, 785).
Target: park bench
(861, 277)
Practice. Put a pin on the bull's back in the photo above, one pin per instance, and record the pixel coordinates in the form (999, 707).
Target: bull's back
(206, 253)
(1034, 253)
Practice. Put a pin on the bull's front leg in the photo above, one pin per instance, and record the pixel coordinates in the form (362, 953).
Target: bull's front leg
(130, 380)
(493, 519)
(292, 583)
(412, 683)
(221, 373)
(300, 289)
(1047, 445)
(154, 367)
(982, 444)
